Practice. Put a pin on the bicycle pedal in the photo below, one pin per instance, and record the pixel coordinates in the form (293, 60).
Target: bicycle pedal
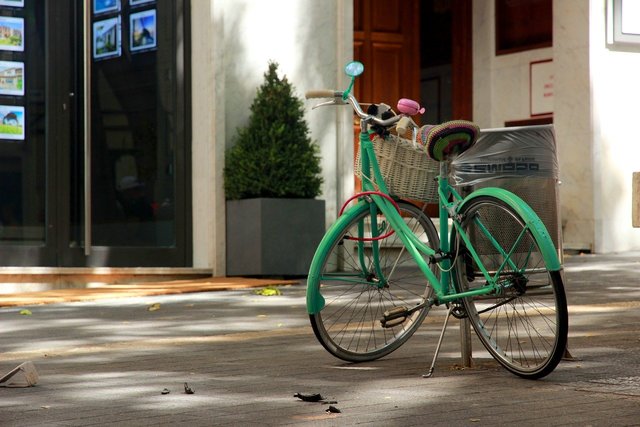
(394, 317)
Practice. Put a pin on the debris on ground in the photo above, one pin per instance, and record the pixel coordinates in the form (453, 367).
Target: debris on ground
(153, 307)
(26, 312)
(317, 397)
(268, 291)
(23, 375)
(187, 389)
(165, 391)
(309, 397)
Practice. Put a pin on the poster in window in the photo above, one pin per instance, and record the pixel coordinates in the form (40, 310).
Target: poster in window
(105, 6)
(11, 78)
(106, 38)
(142, 31)
(11, 122)
(140, 2)
(12, 3)
(11, 33)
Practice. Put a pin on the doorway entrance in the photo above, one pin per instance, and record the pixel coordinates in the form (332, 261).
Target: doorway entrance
(93, 172)
(418, 49)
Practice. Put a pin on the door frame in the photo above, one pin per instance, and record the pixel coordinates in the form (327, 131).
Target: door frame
(179, 255)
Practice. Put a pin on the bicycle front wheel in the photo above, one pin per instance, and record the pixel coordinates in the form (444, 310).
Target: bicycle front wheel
(360, 279)
(524, 324)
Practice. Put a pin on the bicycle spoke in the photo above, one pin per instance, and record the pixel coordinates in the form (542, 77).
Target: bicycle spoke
(523, 323)
(358, 287)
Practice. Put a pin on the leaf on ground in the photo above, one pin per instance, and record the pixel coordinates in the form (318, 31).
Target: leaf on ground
(268, 292)
(26, 312)
(309, 397)
(153, 307)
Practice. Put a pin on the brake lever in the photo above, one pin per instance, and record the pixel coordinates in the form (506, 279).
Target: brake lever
(336, 101)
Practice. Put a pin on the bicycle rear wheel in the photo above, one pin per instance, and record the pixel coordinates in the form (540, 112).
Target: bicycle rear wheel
(524, 325)
(357, 292)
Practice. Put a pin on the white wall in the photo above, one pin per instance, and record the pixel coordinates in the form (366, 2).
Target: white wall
(233, 42)
(572, 121)
(500, 83)
(595, 115)
(616, 141)
(208, 129)
(502, 93)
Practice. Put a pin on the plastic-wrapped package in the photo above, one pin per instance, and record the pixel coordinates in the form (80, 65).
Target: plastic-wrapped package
(522, 160)
(508, 153)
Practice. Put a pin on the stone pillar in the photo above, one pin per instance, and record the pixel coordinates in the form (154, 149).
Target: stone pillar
(635, 200)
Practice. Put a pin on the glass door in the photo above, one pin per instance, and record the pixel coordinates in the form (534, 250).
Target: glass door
(101, 165)
(24, 175)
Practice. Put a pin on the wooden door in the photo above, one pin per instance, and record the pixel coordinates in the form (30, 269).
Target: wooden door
(386, 41)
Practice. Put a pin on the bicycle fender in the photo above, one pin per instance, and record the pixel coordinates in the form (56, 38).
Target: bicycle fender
(315, 301)
(533, 221)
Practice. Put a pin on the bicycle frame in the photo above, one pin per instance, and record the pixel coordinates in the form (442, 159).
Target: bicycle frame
(495, 263)
(445, 292)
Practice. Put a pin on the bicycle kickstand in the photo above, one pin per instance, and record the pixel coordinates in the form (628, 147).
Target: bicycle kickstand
(435, 356)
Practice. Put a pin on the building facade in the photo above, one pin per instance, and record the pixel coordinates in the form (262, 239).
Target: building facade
(114, 153)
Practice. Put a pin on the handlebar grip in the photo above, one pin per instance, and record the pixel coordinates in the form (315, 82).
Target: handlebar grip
(403, 125)
(322, 93)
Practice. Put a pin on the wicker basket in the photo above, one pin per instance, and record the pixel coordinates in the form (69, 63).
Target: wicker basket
(407, 170)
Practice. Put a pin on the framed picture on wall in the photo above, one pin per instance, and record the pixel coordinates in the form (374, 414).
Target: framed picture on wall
(107, 40)
(11, 33)
(11, 122)
(11, 78)
(142, 31)
(104, 6)
(12, 3)
(541, 87)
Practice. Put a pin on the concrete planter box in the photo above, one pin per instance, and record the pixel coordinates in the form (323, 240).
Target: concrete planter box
(273, 237)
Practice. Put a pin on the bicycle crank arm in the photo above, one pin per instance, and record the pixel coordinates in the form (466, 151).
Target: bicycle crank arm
(397, 315)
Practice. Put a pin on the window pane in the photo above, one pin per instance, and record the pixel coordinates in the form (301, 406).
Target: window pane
(133, 126)
(22, 125)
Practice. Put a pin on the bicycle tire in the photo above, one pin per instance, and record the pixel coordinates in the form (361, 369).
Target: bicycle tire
(349, 325)
(524, 327)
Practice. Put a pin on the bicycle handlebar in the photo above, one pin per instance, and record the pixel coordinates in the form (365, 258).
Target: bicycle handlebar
(337, 100)
(323, 93)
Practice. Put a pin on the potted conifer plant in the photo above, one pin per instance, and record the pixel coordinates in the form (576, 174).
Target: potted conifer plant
(271, 179)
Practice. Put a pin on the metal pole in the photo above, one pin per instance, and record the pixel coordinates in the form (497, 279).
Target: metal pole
(465, 342)
(86, 27)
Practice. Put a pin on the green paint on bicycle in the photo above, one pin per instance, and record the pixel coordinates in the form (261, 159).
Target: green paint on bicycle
(315, 301)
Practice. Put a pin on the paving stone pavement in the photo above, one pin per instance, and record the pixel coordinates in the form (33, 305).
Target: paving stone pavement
(107, 362)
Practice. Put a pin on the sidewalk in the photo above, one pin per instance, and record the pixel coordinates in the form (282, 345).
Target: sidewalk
(245, 356)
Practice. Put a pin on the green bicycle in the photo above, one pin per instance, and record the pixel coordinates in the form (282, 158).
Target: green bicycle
(382, 265)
